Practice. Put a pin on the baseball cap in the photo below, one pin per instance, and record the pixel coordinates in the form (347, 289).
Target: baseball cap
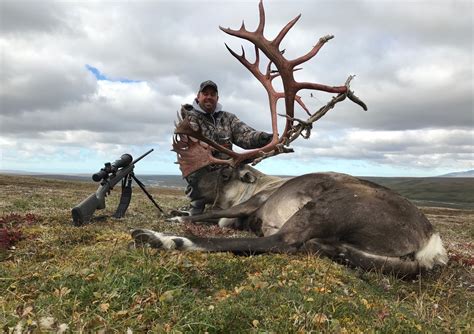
(207, 83)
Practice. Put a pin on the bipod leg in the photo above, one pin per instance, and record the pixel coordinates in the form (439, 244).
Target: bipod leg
(126, 196)
(142, 186)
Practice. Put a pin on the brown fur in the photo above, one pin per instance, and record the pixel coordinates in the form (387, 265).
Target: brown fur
(346, 218)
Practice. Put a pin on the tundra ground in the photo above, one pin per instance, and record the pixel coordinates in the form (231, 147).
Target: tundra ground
(55, 277)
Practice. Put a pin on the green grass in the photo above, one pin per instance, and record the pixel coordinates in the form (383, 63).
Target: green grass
(87, 279)
(447, 192)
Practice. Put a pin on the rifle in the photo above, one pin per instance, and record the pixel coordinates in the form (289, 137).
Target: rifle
(109, 176)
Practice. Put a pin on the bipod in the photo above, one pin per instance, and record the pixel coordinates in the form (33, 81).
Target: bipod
(126, 195)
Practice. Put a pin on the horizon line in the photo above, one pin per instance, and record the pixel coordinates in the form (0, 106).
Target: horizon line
(30, 173)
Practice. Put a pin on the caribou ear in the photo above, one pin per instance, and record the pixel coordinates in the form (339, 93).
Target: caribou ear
(247, 177)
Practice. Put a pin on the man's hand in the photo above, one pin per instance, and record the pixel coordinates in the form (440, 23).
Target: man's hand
(264, 138)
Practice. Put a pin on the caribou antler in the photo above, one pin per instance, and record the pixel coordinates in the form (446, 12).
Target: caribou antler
(285, 69)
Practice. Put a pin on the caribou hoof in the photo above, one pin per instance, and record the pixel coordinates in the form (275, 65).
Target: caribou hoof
(179, 219)
(161, 240)
(179, 213)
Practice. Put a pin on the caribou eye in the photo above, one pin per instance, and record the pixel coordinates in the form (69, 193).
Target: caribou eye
(226, 174)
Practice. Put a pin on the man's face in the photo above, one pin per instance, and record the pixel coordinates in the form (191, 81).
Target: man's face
(208, 99)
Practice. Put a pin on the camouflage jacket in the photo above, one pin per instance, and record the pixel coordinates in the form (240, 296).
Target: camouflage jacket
(222, 127)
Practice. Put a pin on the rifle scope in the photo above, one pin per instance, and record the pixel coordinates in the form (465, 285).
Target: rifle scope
(125, 160)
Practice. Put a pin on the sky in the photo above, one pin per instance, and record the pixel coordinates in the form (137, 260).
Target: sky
(83, 82)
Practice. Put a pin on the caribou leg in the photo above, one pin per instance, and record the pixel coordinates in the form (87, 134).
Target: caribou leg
(242, 246)
(357, 258)
(288, 240)
(242, 210)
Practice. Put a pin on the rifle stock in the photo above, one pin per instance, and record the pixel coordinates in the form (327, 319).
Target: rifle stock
(82, 213)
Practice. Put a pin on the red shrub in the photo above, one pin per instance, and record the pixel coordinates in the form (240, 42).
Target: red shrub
(10, 228)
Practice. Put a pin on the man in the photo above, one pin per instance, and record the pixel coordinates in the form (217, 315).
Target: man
(220, 126)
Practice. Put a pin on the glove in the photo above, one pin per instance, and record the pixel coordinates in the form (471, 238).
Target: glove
(264, 138)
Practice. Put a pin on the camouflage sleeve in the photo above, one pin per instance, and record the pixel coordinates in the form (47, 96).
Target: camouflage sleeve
(243, 135)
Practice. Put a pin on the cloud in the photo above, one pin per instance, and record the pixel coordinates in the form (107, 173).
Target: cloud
(37, 78)
(101, 78)
(33, 17)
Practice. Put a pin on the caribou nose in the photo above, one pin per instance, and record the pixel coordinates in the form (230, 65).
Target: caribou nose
(192, 193)
(189, 190)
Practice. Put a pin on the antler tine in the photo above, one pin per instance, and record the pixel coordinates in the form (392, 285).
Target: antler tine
(285, 30)
(241, 57)
(242, 27)
(265, 79)
(313, 52)
(301, 103)
(261, 22)
(252, 67)
(351, 95)
(355, 99)
(243, 31)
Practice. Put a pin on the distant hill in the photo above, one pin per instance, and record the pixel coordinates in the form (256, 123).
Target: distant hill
(468, 173)
(450, 192)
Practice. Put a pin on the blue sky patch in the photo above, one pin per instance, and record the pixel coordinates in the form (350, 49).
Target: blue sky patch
(100, 76)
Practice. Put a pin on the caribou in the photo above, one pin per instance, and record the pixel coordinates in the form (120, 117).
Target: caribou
(348, 219)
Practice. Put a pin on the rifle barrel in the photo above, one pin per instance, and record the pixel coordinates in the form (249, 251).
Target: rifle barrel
(142, 156)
